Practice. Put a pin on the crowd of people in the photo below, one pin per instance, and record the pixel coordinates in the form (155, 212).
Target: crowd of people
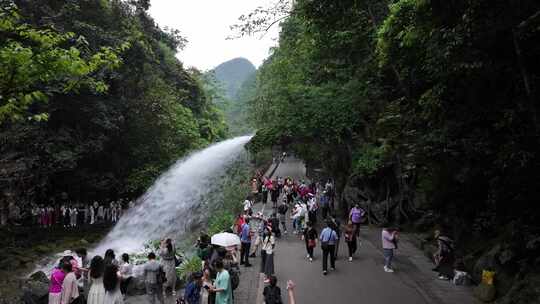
(67, 214)
(76, 279)
(296, 207)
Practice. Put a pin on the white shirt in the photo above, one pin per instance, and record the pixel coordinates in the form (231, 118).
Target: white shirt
(268, 244)
(247, 205)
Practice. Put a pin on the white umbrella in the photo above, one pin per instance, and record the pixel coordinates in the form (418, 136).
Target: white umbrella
(225, 239)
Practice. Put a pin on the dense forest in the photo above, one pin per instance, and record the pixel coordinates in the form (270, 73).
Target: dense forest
(424, 111)
(94, 104)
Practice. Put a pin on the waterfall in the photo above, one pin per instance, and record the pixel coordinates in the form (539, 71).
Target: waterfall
(171, 204)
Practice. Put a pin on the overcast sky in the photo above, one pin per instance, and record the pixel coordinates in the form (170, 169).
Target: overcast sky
(205, 24)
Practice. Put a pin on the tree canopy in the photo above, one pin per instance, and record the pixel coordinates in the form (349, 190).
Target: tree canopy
(111, 106)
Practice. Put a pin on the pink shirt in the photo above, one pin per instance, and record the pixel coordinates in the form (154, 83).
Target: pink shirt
(57, 278)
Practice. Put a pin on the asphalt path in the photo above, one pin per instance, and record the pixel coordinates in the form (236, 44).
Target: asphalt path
(363, 280)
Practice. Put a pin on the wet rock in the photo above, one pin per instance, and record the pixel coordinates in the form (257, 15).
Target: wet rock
(36, 288)
(39, 276)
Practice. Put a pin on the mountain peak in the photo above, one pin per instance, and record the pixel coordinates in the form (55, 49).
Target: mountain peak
(233, 73)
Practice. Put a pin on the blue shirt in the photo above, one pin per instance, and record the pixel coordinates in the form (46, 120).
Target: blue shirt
(245, 235)
(192, 293)
(328, 235)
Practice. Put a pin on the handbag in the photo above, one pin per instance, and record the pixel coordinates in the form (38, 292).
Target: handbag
(312, 243)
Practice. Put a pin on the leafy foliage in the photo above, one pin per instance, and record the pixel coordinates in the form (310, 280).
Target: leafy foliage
(121, 108)
(37, 63)
(411, 93)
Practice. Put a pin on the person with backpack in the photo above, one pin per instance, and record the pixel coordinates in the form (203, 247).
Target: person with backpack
(310, 237)
(355, 216)
(153, 279)
(245, 239)
(274, 222)
(282, 211)
(192, 293)
(325, 204)
(222, 286)
(272, 293)
(328, 240)
(444, 257)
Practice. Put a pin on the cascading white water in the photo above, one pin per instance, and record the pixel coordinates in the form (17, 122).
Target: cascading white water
(165, 210)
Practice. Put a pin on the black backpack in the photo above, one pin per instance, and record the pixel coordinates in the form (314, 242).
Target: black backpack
(235, 278)
(272, 295)
(282, 209)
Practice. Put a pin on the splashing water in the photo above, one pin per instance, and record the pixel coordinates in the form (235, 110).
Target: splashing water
(168, 208)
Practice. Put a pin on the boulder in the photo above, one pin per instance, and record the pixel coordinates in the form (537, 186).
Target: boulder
(36, 288)
(39, 276)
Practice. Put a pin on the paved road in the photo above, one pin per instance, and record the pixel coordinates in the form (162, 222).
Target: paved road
(363, 280)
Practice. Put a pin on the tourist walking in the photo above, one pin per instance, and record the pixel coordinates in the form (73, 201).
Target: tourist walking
(222, 286)
(167, 252)
(245, 239)
(350, 238)
(153, 279)
(335, 224)
(96, 295)
(325, 204)
(310, 238)
(282, 211)
(57, 278)
(111, 283)
(268, 245)
(70, 289)
(389, 240)
(355, 216)
(328, 240)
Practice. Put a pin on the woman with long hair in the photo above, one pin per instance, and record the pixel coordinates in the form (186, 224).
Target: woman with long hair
(310, 238)
(96, 294)
(268, 245)
(110, 258)
(111, 283)
(57, 278)
(167, 252)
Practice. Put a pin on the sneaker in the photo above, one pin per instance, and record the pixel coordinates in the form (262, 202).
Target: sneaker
(441, 277)
(324, 272)
(386, 269)
(333, 268)
(285, 231)
(350, 259)
(266, 281)
(310, 260)
(248, 265)
(307, 256)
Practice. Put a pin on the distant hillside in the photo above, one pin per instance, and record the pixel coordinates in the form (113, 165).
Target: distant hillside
(232, 74)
